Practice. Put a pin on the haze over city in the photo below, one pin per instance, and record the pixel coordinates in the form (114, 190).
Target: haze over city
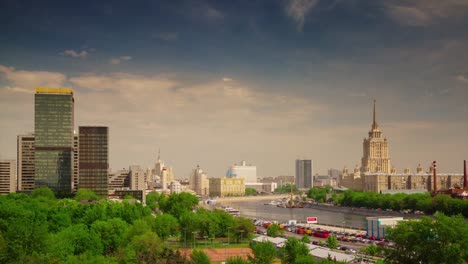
(217, 82)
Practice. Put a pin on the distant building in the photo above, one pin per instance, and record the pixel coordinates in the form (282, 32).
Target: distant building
(375, 157)
(227, 186)
(137, 178)
(304, 179)
(7, 176)
(119, 180)
(25, 165)
(53, 129)
(324, 180)
(279, 180)
(378, 226)
(334, 173)
(248, 172)
(175, 187)
(261, 187)
(94, 159)
(199, 182)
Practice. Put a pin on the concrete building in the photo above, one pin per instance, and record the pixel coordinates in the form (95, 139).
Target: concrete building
(324, 180)
(199, 182)
(119, 180)
(25, 164)
(378, 226)
(53, 129)
(137, 178)
(227, 186)
(7, 176)
(279, 180)
(175, 187)
(248, 172)
(94, 159)
(304, 172)
(76, 153)
(261, 187)
(375, 157)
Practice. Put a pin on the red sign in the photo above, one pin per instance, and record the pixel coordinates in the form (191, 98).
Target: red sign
(312, 220)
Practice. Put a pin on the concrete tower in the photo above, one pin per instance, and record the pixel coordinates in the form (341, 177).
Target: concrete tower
(375, 151)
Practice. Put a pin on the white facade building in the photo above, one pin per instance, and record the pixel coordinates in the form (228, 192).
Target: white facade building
(199, 182)
(248, 172)
(175, 187)
(137, 178)
(7, 176)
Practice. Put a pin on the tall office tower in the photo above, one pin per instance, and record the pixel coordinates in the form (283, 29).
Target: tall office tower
(7, 176)
(76, 153)
(375, 157)
(94, 159)
(158, 167)
(137, 178)
(25, 167)
(248, 172)
(53, 129)
(304, 178)
(199, 182)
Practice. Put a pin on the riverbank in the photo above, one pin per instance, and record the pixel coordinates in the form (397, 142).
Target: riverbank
(251, 198)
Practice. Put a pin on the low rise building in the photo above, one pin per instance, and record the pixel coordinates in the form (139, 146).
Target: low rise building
(378, 226)
(227, 186)
(262, 187)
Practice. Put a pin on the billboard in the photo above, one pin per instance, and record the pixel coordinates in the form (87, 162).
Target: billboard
(312, 220)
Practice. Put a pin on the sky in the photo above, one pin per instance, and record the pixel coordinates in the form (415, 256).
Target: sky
(212, 83)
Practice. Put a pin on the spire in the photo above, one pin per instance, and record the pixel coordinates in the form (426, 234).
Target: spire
(374, 124)
(159, 154)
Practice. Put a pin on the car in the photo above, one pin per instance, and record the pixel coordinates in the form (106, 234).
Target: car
(350, 251)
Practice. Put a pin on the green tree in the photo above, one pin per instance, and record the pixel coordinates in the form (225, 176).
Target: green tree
(237, 260)
(441, 239)
(372, 250)
(166, 225)
(305, 239)
(148, 248)
(199, 257)
(286, 188)
(113, 234)
(152, 200)
(292, 250)
(274, 230)
(264, 253)
(332, 242)
(177, 203)
(84, 194)
(308, 259)
(250, 191)
(243, 228)
(44, 193)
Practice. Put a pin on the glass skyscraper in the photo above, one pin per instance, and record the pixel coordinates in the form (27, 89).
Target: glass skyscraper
(94, 159)
(53, 129)
(304, 177)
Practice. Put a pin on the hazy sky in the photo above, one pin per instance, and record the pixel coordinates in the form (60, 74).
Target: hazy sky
(216, 82)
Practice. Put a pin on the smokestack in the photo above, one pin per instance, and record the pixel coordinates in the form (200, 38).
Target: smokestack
(434, 173)
(465, 180)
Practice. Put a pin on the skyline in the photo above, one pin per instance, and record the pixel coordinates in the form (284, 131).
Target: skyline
(214, 82)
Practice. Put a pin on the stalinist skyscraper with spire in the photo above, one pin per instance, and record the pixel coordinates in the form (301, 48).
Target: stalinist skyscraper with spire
(375, 157)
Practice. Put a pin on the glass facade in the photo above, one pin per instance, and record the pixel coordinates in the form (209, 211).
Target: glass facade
(94, 159)
(53, 128)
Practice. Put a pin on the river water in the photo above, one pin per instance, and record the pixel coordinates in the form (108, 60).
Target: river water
(257, 209)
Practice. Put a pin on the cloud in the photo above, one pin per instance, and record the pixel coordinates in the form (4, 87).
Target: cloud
(120, 59)
(462, 79)
(77, 55)
(426, 12)
(298, 10)
(22, 80)
(167, 36)
(226, 79)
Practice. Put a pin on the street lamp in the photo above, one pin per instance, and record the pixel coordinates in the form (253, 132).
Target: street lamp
(228, 234)
(343, 223)
(205, 237)
(241, 232)
(185, 237)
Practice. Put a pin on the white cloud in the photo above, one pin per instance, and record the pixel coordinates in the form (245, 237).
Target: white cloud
(226, 79)
(120, 59)
(26, 80)
(462, 79)
(298, 10)
(77, 55)
(426, 12)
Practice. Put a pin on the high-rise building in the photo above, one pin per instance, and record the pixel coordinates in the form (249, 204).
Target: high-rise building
(94, 159)
(137, 178)
(25, 166)
(119, 180)
(53, 129)
(248, 172)
(76, 153)
(199, 182)
(7, 176)
(375, 158)
(304, 178)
